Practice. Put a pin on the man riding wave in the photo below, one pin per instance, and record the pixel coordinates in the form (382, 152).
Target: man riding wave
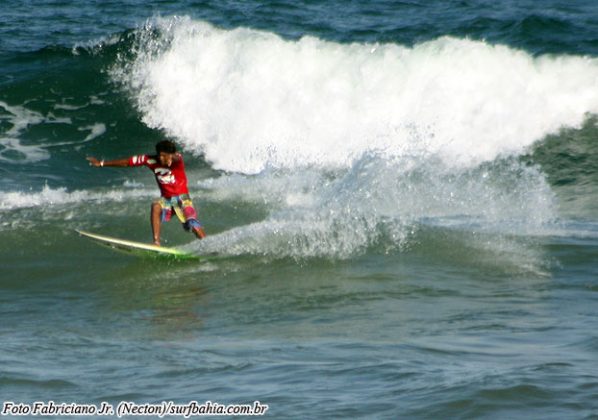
(169, 170)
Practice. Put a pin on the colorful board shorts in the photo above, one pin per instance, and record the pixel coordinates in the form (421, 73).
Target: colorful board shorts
(182, 206)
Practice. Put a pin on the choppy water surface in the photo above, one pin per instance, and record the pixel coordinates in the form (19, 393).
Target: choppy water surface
(402, 195)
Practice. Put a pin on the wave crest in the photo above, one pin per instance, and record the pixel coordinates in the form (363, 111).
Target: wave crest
(249, 100)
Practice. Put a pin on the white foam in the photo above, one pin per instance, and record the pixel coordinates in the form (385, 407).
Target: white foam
(53, 197)
(67, 107)
(12, 148)
(10, 144)
(95, 46)
(251, 100)
(379, 202)
(21, 118)
(95, 130)
(94, 100)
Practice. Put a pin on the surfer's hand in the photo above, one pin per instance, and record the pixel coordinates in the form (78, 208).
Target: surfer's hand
(94, 162)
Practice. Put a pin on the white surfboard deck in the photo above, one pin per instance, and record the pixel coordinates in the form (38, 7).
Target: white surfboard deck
(138, 248)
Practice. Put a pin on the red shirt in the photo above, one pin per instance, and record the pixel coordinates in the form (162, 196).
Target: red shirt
(172, 181)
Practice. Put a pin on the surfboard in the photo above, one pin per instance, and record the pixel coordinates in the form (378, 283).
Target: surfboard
(138, 248)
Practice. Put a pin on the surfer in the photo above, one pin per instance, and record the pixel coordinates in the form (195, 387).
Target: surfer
(169, 170)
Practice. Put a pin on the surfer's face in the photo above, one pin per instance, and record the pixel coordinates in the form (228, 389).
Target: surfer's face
(166, 159)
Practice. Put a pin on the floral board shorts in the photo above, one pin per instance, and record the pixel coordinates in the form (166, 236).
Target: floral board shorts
(182, 207)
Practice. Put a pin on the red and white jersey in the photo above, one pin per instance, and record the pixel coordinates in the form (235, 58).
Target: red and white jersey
(171, 180)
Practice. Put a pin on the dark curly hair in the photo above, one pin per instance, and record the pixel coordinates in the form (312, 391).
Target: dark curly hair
(165, 146)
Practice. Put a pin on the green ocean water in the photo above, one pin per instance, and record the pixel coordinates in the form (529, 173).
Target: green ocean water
(402, 197)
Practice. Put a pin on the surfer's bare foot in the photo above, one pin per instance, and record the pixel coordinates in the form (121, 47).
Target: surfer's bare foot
(199, 232)
(157, 243)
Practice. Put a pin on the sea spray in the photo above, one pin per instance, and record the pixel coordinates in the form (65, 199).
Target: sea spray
(379, 203)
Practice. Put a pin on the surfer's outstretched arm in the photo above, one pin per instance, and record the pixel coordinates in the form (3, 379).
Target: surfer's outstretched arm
(117, 162)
